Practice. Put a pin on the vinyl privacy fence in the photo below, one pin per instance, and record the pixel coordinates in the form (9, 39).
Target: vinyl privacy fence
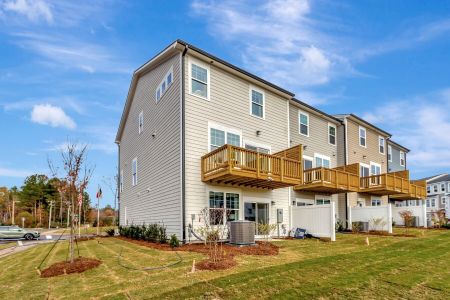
(318, 220)
(378, 217)
(419, 212)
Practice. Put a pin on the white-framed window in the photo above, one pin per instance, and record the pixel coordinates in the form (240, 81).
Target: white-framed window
(303, 123)
(322, 200)
(428, 202)
(435, 188)
(433, 202)
(164, 85)
(261, 148)
(428, 189)
(141, 122)
(223, 207)
(389, 153)
(307, 162)
(375, 168)
(362, 137)
(220, 135)
(332, 134)
(442, 187)
(364, 170)
(402, 158)
(199, 79)
(134, 172)
(321, 160)
(376, 202)
(443, 200)
(121, 181)
(303, 202)
(381, 144)
(257, 103)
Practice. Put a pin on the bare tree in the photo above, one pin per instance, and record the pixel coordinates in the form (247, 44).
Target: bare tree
(112, 183)
(407, 217)
(76, 175)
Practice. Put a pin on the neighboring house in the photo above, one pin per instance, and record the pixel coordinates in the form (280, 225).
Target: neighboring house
(438, 193)
(396, 156)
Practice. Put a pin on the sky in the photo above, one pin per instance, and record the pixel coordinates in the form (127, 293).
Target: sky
(65, 68)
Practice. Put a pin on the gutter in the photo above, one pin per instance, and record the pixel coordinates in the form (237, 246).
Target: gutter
(345, 163)
(183, 146)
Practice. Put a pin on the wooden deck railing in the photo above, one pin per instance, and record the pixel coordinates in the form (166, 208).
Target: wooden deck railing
(333, 177)
(388, 181)
(254, 164)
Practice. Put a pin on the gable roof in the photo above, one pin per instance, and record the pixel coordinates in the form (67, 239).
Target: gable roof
(364, 122)
(179, 46)
(439, 178)
(316, 111)
(398, 145)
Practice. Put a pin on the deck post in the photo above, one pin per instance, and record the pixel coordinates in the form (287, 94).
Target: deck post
(230, 163)
(282, 169)
(258, 169)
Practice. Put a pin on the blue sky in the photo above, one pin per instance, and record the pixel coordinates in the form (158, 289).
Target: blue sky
(65, 68)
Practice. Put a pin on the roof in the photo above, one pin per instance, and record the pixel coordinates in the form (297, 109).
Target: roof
(398, 145)
(180, 45)
(439, 178)
(318, 111)
(358, 119)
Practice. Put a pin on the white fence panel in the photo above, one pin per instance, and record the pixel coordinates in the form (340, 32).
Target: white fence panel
(318, 220)
(417, 211)
(370, 213)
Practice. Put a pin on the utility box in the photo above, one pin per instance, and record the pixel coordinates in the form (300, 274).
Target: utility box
(279, 215)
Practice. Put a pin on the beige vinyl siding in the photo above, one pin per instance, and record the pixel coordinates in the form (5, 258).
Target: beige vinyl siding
(157, 196)
(229, 106)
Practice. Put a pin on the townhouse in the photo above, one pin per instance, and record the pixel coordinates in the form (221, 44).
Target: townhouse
(438, 194)
(200, 133)
(396, 156)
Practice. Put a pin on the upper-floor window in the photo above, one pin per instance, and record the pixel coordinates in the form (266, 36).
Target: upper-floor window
(257, 103)
(362, 136)
(141, 122)
(381, 142)
(257, 147)
(444, 200)
(164, 85)
(134, 172)
(433, 202)
(307, 163)
(364, 170)
(389, 153)
(199, 80)
(332, 134)
(435, 188)
(428, 189)
(121, 181)
(402, 158)
(375, 169)
(322, 161)
(442, 187)
(219, 136)
(303, 120)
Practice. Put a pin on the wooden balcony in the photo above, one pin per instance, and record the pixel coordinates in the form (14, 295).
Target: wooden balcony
(329, 181)
(417, 191)
(236, 166)
(386, 184)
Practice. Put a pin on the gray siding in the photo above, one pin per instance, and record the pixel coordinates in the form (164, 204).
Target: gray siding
(157, 196)
(394, 165)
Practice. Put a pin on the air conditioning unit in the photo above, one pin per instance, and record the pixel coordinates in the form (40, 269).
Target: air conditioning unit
(362, 226)
(414, 221)
(242, 232)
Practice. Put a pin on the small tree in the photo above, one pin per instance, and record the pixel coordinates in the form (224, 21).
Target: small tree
(407, 217)
(439, 218)
(214, 229)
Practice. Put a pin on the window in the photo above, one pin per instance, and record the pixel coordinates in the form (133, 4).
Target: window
(121, 181)
(304, 202)
(199, 81)
(134, 174)
(442, 187)
(435, 188)
(220, 136)
(321, 201)
(433, 202)
(260, 149)
(428, 202)
(322, 161)
(364, 170)
(443, 200)
(158, 94)
(375, 169)
(376, 202)
(331, 134)
(307, 163)
(141, 122)
(402, 158)
(218, 207)
(381, 145)
(428, 189)
(362, 137)
(164, 85)
(257, 104)
(389, 153)
(303, 119)
(169, 79)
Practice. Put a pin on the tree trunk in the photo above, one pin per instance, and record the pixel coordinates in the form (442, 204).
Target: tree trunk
(71, 246)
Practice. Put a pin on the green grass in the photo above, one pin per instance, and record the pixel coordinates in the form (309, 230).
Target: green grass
(7, 245)
(391, 267)
(90, 230)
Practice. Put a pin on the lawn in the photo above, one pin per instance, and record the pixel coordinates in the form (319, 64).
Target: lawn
(391, 267)
(7, 245)
(84, 230)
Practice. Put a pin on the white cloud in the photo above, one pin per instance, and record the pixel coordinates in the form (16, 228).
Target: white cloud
(13, 172)
(419, 126)
(54, 116)
(33, 10)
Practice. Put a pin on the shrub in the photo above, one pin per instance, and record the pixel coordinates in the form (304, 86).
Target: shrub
(110, 232)
(174, 241)
(155, 233)
(28, 222)
(162, 234)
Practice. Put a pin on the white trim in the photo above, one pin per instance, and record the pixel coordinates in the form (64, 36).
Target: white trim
(390, 153)
(365, 166)
(167, 86)
(384, 144)
(252, 88)
(329, 135)
(365, 136)
(322, 197)
(141, 117)
(301, 112)
(376, 165)
(225, 129)
(323, 157)
(133, 182)
(121, 181)
(404, 158)
(255, 144)
(225, 190)
(208, 78)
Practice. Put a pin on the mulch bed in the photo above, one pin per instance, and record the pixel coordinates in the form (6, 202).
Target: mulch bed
(223, 264)
(79, 265)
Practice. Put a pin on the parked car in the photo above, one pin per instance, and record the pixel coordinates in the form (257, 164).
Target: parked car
(15, 232)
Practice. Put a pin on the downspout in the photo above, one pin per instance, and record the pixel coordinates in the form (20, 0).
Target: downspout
(345, 163)
(118, 184)
(183, 147)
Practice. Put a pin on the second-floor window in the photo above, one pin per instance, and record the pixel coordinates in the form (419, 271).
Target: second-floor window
(121, 181)
(389, 153)
(141, 122)
(381, 142)
(134, 174)
(435, 188)
(303, 120)
(199, 81)
(331, 134)
(220, 136)
(257, 103)
(428, 189)
(307, 163)
(442, 187)
(402, 158)
(322, 161)
(362, 137)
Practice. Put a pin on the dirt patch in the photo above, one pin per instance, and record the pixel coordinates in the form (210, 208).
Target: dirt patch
(259, 248)
(79, 265)
(223, 264)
